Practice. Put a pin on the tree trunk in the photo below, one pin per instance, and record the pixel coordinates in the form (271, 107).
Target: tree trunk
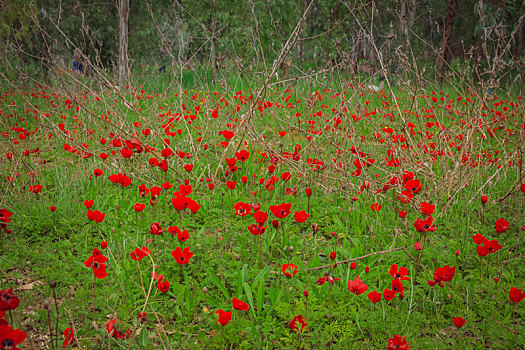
(123, 67)
(213, 55)
(332, 14)
(449, 22)
(521, 34)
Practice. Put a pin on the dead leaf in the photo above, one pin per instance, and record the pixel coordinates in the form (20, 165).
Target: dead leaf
(30, 286)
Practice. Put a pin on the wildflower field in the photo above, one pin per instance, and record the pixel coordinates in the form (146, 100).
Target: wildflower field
(303, 216)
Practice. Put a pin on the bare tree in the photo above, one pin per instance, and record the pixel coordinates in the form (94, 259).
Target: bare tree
(123, 67)
(449, 22)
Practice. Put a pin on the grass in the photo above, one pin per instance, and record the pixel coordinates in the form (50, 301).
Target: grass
(455, 163)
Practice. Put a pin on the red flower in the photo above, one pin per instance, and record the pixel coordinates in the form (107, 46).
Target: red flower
(163, 286)
(301, 216)
(96, 215)
(502, 225)
(522, 187)
(103, 245)
(138, 207)
(240, 305)
(155, 229)
(425, 225)
(399, 274)
(405, 197)
(402, 214)
(231, 184)
(413, 186)
(322, 280)
(397, 342)
(353, 265)
(8, 301)
(376, 206)
(289, 270)
(478, 238)
(242, 209)
(397, 286)
(297, 322)
(389, 294)
(458, 321)
(183, 236)
(427, 208)
(53, 208)
(333, 255)
(98, 172)
(286, 176)
(97, 263)
(114, 330)
(260, 217)
(281, 211)
(374, 296)
(256, 230)
(484, 199)
(357, 286)
(442, 275)
(516, 295)
(88, 203)
(69, 338)
(10, 337)
(188, 167)
(182, 257)
(142, 316)
(5, 215)
(308, 192)
(139, 253)
(243, 155)
(223, 316)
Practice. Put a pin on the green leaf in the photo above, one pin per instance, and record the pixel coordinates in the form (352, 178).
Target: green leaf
(219, 285)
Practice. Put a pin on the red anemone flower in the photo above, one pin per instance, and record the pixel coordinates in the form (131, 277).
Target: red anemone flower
(97, 262)
(374, 296)
(8, 301)
(155, 229)
(389, 294)
(224, 317)
(425, 225)
(478, 238)
(399, 273)
(138, 207)
(376, 206)
(397, 342)
(502, 225)
(301, 216)
(88, 203)
(357, 286)
(458, 321)
(289, 270)
(427, 208)
(242, 209)
(69, 337)
(516, 295)
(182, 257)
(260, 217)
(114, 330)
(297, 322)
(139, 253)
(10, 337)
(240, 305)
(281, 211)
(256, 230)
(397, 286)
(163, 286)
